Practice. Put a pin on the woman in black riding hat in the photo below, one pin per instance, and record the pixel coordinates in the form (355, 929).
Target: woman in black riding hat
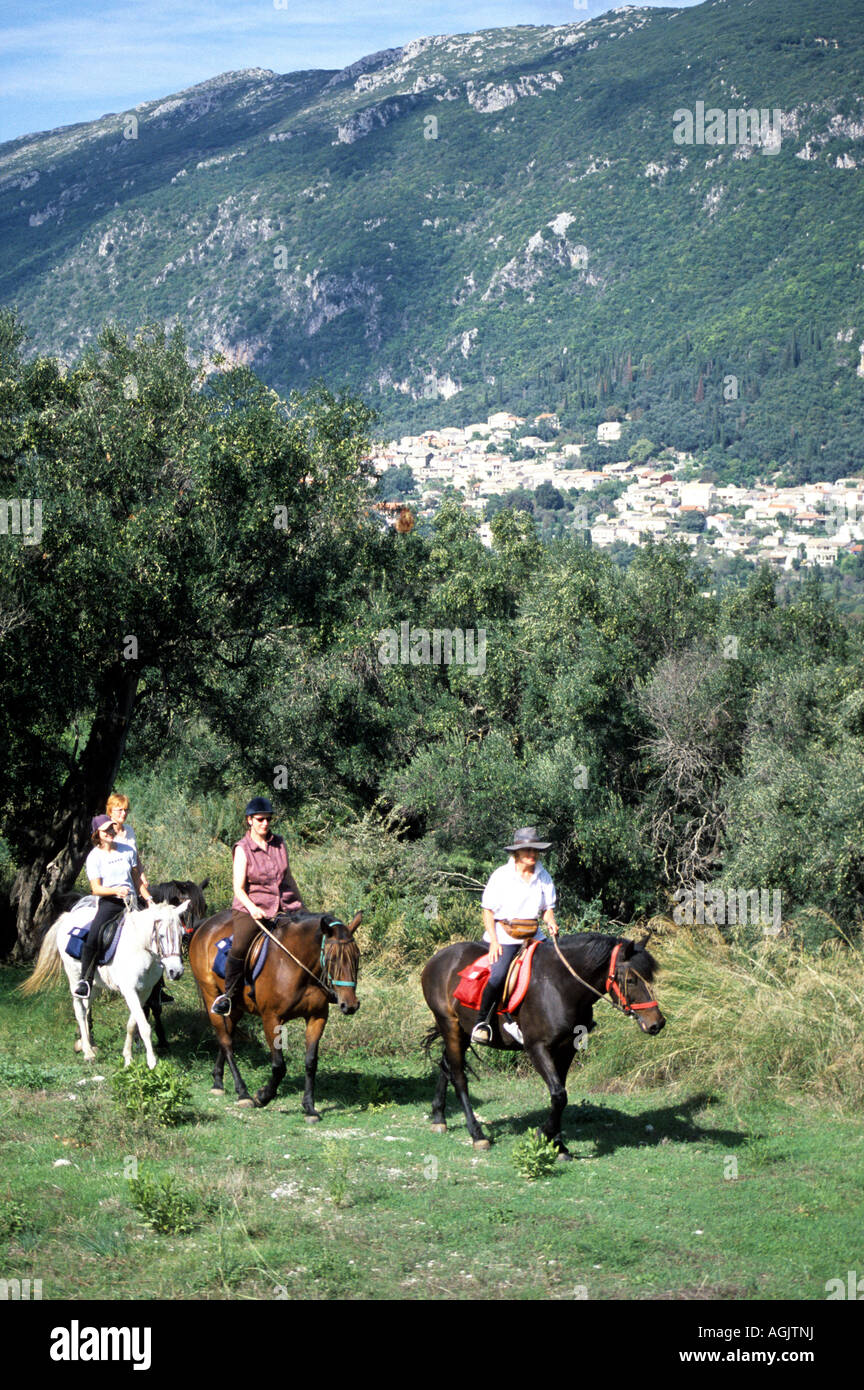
(263, 887)
(513, 900)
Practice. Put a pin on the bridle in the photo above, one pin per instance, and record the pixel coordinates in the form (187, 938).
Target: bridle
(324, 981)
(171, 937)
(617, 996)
(613, 991)
(334, 946)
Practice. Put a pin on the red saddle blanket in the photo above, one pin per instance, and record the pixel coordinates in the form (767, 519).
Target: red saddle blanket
(472, 981)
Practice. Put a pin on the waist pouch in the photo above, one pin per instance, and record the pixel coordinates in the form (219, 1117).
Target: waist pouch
(521, 928)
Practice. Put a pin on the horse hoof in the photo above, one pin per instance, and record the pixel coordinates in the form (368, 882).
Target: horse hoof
(565, 1156)
(482, 1143)
(217, 1090)
(439, 1129)
(246, 1100)
(312, 1119)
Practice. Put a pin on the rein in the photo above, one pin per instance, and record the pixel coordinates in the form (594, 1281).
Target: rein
(323, 981)
(613, 990)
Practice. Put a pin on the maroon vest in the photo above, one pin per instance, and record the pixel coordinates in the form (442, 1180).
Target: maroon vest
(268, 878)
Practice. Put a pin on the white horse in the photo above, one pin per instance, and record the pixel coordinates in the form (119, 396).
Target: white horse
(150, 942)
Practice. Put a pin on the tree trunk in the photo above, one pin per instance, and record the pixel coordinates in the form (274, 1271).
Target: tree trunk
(59, 850)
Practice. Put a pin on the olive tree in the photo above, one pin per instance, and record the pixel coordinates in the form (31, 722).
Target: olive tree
(183, 518)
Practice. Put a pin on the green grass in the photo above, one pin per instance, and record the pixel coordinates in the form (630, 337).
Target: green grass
(675, 1191)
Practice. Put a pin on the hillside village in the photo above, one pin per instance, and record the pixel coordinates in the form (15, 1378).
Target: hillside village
(810, 524)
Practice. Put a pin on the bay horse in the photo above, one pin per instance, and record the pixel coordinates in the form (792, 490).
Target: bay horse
(556, 1013)
(150, 941)
(324, 969)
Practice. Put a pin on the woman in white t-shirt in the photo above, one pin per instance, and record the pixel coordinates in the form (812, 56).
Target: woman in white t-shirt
(115, 878)
(514, 899)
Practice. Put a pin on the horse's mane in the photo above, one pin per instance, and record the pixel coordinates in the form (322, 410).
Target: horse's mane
(297, 919)
(174, 891)
(303, 917)
(595, 948)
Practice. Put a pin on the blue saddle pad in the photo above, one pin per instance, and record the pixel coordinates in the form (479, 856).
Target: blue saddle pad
(222, 949)
(75, 944)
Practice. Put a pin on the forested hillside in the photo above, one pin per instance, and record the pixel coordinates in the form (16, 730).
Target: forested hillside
(510, 218)
(211, 604)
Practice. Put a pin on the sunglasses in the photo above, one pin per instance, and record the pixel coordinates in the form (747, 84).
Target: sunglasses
(267, 818)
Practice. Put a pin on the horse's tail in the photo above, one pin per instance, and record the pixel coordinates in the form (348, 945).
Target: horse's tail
(48, 965)
(430, 1039)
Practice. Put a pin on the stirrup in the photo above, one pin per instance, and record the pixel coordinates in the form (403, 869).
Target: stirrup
(482, 1032)
(82, 989)
(221, 1005)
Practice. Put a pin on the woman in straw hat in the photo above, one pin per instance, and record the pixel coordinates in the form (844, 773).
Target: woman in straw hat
(514, 899)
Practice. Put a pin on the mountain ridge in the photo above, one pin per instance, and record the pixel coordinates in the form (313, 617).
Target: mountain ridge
(493, 219)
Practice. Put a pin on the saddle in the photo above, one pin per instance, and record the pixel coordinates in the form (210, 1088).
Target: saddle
(109, 936)
(472, 980)
(255, 958)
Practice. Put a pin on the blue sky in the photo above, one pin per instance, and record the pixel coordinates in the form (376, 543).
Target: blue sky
(73, 60)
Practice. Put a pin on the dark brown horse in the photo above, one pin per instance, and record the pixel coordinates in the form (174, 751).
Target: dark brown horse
(323, 970)
(177, 890)
(554, 1017)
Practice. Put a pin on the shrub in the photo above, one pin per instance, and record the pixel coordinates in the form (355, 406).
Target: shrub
(535, 1156)
(162, 1204)
(13, 1216)
(159, 1097)
(337, 1162)
(33, 1076)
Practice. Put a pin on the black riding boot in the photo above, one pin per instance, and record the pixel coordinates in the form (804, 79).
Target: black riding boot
(234, 972)
(482, 1030)
(89, 957)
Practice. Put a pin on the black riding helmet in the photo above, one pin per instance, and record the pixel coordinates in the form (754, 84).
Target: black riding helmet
(259, 806)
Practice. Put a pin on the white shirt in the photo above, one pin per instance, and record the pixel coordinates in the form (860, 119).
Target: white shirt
(126, 836)
(112, 866)
(508, 895)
